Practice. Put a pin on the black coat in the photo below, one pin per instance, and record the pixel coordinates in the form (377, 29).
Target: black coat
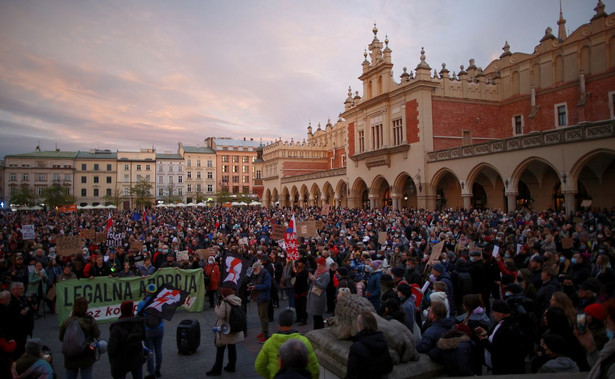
(369, 357)
(124, 350)
(507, 349)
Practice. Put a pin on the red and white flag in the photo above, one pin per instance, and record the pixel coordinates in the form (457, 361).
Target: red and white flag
(290, 240)
(109, 223)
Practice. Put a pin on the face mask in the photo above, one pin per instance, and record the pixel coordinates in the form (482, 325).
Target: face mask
(211, 261)
(508, 294)
(165, 251)
(574, 261)
(472, 259)
(610, 334)
(506, 255)
(444, 260)
(562, 259)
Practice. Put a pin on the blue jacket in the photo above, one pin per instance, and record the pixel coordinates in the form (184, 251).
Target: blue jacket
(433, 333)
(373, 288)
(262, 286)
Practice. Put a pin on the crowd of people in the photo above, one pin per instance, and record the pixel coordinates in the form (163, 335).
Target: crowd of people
(462, 281)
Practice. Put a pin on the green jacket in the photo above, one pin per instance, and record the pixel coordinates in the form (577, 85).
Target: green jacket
(267, 363)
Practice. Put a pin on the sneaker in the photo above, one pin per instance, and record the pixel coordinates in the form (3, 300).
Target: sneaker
(158, 374)
(259, 336)
(262, 340)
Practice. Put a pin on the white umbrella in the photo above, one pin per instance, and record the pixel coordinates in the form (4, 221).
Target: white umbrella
(88, 207)
(191, 205)
(235, 204)
(171, 205)
(79, 207)
(243, 203)
(36, 208)
(181, 205)
(111, 206)
(201, 204)
(254, 203)
(100, 206)
(161, 205)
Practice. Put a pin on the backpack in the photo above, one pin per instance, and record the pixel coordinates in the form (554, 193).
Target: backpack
(237, 319)
(74, 342)
(151, 321)
(134, 341)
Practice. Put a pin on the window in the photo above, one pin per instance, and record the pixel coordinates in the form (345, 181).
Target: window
(561, 115)
(148, 178)
(245, 159)
(612, 104)
(235, 168)
(160, 179)
(376, 136)
(189, 188)
(258, 174)
(42, 177)
(170, 179)
(189, 164)
(398, 132)
(224, 168)
(126, 178)
(126, 191)
(180, 168)
(147, 167)
(180, 179)
(126, 167)
(13, 177)
(235, 158)
(67, 177)
(210, 175)
(235, 178)
(246, 179)
(84, 179)
(138, 167)
(189, 174)
(96, 179)
(108, 192)
(160, 192)
(235, 189)
(225, 158)
(95, 166)
(466, 137)
(108, 167)
(96, 192)
(84, 166)
(198, 188)
(56, 177)
(332, 162)
(517, 122)
(84, 192)
(210, 163)
(139, 178)
(344, 160)
(361, 146)
(253, 159)
(39, 190)
(198, 163)
(225, 179)
(198, 175)
(210, 188)
(246, 189)
(180, 191)
(245, 169)
(161, 167)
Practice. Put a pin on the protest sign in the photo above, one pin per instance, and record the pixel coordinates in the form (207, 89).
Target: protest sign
(115, 239)
(436, 250)
(88, 233)
(105, 295)
(566, 243)
(204, 253)
(382, 237)
(27, 232)
(67, 245)
(182, 256)
(307, 229)
(278, 232)
(136, 245)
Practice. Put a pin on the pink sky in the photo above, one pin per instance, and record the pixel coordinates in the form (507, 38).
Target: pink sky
(123, 75)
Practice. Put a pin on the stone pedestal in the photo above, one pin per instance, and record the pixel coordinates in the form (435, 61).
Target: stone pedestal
(333, 356)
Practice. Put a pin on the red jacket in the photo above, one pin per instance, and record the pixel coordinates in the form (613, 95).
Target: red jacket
(212, 271)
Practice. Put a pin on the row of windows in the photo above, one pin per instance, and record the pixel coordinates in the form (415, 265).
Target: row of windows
(95, 179)
(210, 188)
(39, 177)
(235, 178)
(198, 163)
(235, 158)
(96, 167)
(39, 190)
(244, 169)
(96, 192)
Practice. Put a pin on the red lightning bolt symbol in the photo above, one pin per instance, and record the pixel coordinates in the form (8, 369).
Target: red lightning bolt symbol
(164, 298)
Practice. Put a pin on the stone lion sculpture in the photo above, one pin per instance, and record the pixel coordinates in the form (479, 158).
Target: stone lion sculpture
(399, 338)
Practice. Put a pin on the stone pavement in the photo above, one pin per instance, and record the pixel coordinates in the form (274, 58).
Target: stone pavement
(173, 364)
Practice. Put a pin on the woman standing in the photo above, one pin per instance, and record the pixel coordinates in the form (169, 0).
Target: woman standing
(223, 312)
(85, 360)
(369, 354)
(301, 288)
(317, 295)
(212, 279)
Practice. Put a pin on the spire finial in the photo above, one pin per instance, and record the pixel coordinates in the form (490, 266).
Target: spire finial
(375, 29)
(386, 40)
(599, 11)
(561, 23)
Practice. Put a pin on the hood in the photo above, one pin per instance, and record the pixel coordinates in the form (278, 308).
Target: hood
(233, 299)
(562, 364)
(452, 340)
(438, 297)
(374, 342)
(446, 323)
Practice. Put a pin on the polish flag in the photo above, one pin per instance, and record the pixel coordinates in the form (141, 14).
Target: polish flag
(109, 223)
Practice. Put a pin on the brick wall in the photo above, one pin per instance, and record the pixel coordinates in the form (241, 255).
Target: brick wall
(412, 121)
(351, 139)
(303, 167)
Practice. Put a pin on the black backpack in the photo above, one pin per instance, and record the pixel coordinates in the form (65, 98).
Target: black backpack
(237, 319)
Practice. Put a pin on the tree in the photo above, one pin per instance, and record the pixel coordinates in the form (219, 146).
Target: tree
(142, 191)
(24, 195)
(115, 198)
(57, 196)
(171, 197)
(200, 197)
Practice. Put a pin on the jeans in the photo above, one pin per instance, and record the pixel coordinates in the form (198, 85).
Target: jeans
(86, 373)
(136, 374)
(154, 343)
(263, 315)
(232, 358)
(290, 292)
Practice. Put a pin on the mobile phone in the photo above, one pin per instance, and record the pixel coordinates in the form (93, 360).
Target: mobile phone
(581, 323)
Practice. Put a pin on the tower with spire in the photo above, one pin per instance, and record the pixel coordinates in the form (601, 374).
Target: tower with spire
(378, 70)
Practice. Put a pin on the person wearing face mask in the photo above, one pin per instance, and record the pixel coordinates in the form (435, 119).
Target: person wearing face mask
(579, 271)
(212, 279)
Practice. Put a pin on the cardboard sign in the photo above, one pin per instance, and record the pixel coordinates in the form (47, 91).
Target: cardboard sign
(27, 232)
(88, 233)
(325, 209)
(382, 237)
(566, 243)
(307, 229)
(67, 245)
(278, 232)
(203, 253)
(436, 250)
(136, 245)
(101, 237)
(243, 241)
(320, 225)
(182, 256)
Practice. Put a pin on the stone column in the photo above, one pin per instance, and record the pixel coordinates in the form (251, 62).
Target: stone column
(395, 199)
(337, 202)
(467, 200)
(311, 200)
(373, 201)
(353, 202)
(511, 201)
(569, 203)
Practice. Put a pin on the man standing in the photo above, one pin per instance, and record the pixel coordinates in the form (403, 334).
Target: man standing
(20, 318)
(267, 362)
(125, 350)
(154, 332)
(261, 290)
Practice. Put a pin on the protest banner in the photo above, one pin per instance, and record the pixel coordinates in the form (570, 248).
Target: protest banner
(278, 232)
(115, 239)
(136, 245)
(105, 295)
(67, 245)
(436, 250)
(27, 232)
(243, 241)
(88, 233)
(101, 237)
(182, 256)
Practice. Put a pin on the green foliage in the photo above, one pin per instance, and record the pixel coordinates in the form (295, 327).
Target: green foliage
(57, 196)
(24, 195)
(142, 191)
(115, 198)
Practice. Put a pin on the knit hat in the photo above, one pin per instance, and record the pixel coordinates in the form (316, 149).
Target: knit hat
(126, 308)
(596, 311)
(376, 264)
(556, 343)
(398, 272)
(438, 267)
(151, 288)
(464, 328)
(322, 261)
(34, 346)
(500, 306)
